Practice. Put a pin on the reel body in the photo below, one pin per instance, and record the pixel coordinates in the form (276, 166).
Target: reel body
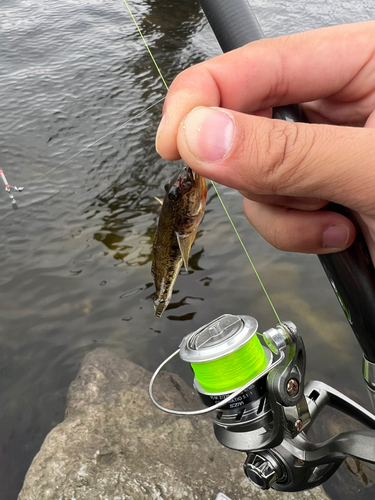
(268, 417)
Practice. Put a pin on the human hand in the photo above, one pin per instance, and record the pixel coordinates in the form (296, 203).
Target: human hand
(216, 117)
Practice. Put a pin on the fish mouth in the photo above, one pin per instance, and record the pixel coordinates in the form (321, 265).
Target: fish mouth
(193, 175)
(198, 181)
(160, 308)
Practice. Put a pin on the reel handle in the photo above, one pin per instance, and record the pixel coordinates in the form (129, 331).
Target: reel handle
(319, 395)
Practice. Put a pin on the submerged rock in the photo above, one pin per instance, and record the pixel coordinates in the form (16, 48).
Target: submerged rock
(115, 445)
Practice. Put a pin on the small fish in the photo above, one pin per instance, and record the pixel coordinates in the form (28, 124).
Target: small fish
(181, 213)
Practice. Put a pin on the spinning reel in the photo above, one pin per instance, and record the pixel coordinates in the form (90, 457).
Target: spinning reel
(256, 395)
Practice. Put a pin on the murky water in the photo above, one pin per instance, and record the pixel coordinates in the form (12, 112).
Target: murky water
(75, 267)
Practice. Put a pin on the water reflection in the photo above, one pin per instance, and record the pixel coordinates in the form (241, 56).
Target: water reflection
(129, 227)
(172, 25)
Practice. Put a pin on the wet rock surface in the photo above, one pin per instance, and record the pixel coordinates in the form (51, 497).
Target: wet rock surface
(115, 445)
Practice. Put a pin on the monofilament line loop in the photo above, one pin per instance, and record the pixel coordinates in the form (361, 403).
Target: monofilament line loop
(216, 406)
(213, 184)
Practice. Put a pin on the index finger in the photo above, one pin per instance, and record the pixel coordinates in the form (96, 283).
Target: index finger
(272, 72)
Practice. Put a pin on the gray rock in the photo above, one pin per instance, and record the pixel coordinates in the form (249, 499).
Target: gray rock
(115, 445)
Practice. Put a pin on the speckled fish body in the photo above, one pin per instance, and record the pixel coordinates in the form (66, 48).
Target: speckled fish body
(181, 213)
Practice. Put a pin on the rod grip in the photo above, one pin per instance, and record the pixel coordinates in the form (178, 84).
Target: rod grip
(352, 276)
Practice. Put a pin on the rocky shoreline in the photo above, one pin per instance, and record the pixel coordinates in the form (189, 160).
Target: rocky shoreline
(115, 445)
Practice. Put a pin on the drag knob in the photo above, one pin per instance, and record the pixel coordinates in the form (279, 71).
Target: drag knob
(262, 470)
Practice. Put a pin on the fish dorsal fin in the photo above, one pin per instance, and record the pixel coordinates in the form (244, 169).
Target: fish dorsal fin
(159, 200)
(185, 242)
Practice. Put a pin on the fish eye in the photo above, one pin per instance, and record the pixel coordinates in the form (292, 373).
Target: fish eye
(187, 185)
(174, 194)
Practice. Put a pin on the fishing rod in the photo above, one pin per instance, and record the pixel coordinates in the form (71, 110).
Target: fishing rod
(350, 272)
(253, 384)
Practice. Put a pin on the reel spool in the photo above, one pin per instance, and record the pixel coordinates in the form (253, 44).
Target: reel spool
(225, 355)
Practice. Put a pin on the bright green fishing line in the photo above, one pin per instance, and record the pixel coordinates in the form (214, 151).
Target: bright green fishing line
(232, 371)
(247, 253)
(213, 184)
(146, 45)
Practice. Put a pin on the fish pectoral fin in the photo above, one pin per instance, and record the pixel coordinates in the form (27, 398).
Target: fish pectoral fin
(159, 200)
(185, 242)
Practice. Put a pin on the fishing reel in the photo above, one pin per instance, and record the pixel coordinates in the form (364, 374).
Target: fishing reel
(253, 387)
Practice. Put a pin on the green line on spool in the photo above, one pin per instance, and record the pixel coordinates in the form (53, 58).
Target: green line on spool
(232, 371)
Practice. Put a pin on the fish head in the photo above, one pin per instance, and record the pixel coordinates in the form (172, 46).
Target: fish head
(186, 191)
(160, 306)
(162, 300)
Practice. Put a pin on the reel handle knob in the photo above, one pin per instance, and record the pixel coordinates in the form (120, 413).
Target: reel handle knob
(262, 469)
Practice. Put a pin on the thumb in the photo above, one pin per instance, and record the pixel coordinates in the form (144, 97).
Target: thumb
(261, 156)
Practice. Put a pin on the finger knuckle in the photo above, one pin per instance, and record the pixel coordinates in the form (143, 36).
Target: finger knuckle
(281, 149)
(285, 150)
(278, 237)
